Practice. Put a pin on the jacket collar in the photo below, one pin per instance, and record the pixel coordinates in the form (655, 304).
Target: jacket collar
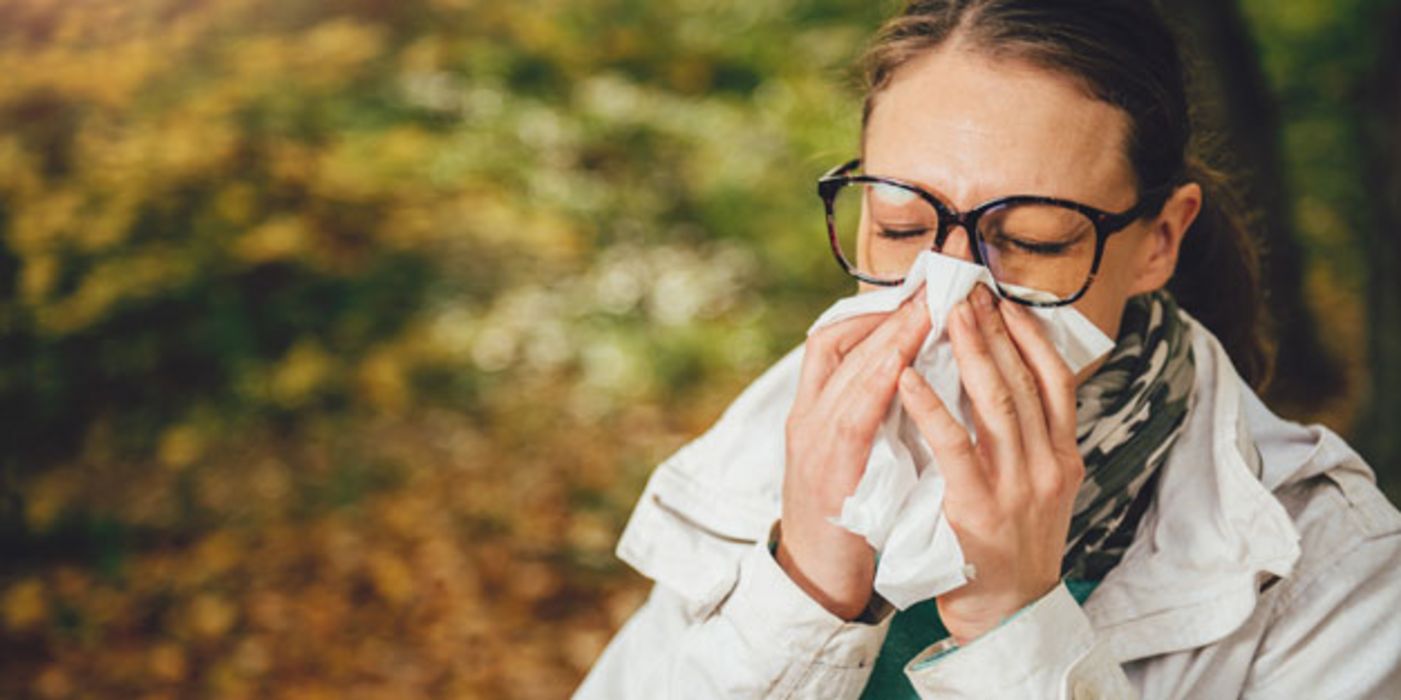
(1214, 532)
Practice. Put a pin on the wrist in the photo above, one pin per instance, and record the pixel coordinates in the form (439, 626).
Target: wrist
(963, 629)
(840, 583)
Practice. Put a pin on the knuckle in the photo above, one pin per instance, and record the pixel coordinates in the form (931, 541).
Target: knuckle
(820, 344)
(1004, 403)
(953, 442)
(994, 327)
(794, 425)
(922, 409)
(1018, 499)
(1023, 383)
(1074, 474)
(1067, 453)
(1052, 482)
(886, 365)
(850, 428)
(975, 519)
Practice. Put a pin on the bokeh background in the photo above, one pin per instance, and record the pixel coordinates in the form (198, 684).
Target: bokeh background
(338, 338)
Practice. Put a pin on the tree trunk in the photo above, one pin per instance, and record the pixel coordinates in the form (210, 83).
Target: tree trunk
(1379, 431)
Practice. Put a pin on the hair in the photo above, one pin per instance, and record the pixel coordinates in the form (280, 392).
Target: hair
(1121, 52)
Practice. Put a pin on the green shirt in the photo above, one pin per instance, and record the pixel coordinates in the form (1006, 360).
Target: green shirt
(912, 631)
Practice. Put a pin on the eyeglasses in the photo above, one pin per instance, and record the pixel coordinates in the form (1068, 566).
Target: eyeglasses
(1041, 251)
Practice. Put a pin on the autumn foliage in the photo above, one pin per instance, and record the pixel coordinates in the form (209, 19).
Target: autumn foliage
(337, 339)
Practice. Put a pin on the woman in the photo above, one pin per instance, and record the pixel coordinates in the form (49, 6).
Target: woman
(1145, 527)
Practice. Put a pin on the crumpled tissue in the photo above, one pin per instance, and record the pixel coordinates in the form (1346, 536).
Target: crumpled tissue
(898, 503)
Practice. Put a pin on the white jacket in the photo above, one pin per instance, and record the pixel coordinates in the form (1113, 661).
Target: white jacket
(1274, 574)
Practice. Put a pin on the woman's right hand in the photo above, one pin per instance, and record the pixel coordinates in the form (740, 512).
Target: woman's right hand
(849, 377)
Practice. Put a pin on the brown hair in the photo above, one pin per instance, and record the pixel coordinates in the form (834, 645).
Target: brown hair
(1123, 53)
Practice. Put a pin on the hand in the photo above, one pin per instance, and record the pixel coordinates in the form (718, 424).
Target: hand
(1008, 497)
(849, 377)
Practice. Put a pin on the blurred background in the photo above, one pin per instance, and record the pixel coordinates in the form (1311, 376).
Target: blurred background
(338, 339)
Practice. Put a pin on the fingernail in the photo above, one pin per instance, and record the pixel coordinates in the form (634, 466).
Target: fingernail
(965, 313)
(907, 379)
(982, 296)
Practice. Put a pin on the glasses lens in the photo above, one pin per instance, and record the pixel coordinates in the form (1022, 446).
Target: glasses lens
(1038, 252)
(881, 228)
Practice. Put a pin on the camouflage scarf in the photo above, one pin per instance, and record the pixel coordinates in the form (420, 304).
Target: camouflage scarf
(1127, 417)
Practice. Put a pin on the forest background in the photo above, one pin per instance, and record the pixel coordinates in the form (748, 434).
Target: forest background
(338, 339)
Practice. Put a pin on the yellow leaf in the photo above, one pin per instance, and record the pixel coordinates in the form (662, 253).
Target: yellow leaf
(304, 369)
(25, 605)
(38, 277)
(381, 378)
(49, 496)
(282, 238)
(390, 577)
(210, 616)
(180, 446)
(167, 662)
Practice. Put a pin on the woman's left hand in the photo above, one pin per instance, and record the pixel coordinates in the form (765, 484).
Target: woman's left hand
(1009, 496)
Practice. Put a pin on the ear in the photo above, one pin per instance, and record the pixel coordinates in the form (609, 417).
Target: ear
(1164, 237)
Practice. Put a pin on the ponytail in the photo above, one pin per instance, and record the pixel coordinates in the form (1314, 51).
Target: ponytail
(1218, 275)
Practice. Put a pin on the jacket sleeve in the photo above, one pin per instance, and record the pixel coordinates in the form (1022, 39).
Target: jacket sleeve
(723, 619)
(764, 638)
(1047, 650)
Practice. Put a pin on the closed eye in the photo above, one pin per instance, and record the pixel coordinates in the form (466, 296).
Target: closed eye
(1046, 248)
(902, 233)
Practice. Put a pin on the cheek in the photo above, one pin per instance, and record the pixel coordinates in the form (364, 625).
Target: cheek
(1104, 301)
(862, 238)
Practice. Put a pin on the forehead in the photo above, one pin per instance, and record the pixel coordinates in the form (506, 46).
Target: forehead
(971, 129)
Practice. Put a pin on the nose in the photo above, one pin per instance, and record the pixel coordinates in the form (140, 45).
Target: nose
(957, 243)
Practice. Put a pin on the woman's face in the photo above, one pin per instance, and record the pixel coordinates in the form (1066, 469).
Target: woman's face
(969, 129)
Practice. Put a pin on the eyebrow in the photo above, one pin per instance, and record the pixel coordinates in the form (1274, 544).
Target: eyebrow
(1086, 199)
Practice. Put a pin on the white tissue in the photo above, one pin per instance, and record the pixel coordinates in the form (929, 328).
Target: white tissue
(898, 504)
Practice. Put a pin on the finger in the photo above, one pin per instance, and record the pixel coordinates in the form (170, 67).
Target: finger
(991, 398)
(856, 409)
(824, 350)
(867, 368)
(1052, 375)
(958, 462)
(858, 395)
(1026, 392)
